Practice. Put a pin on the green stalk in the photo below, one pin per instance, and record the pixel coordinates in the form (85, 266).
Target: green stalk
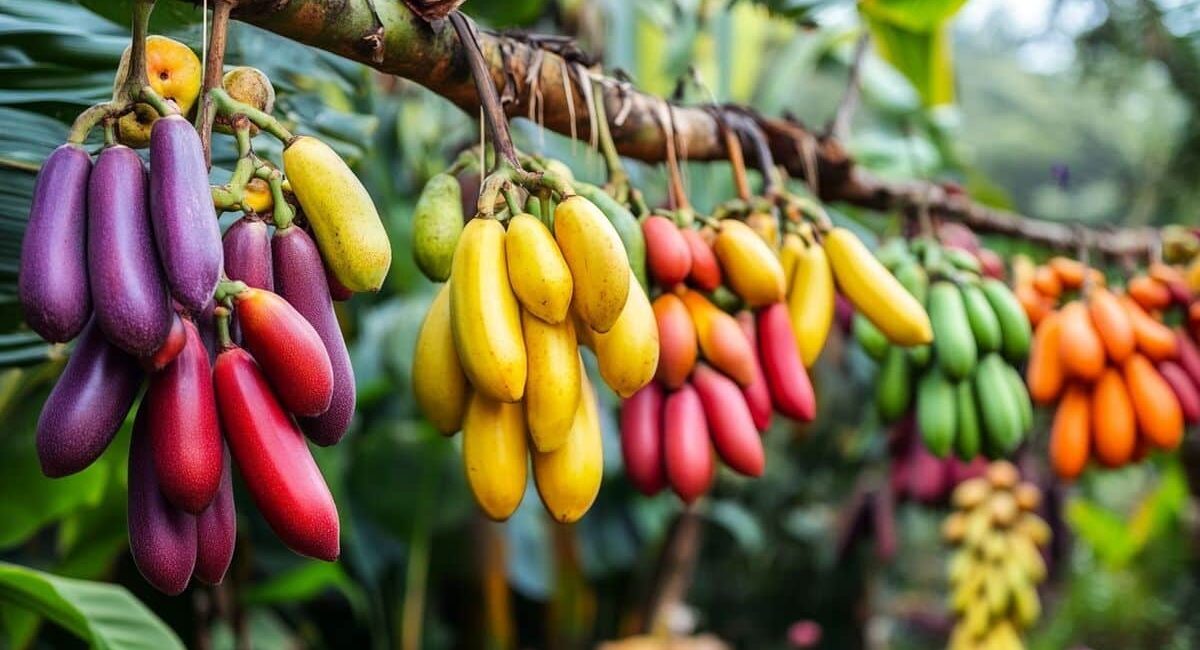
(227, 105)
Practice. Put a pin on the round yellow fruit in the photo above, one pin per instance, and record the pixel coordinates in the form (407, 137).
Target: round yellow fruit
(173, 70)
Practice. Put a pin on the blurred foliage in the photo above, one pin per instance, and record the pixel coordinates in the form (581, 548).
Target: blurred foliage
(413, 544)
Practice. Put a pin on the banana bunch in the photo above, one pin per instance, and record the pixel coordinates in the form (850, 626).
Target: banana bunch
(967, 395)
(997, 565)
(498, 353)
(720, 376)
(1121, 380)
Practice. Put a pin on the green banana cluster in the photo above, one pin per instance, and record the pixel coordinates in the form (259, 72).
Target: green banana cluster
(997, 565)
(968, 396)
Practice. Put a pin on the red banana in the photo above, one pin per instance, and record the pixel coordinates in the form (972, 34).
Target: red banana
(642, 440)
(729, 421)
(181, 418)
(668, 256)
(1189, 355)
(706, 271)
(288, 349)
(758, 396)
(791, 390)
(166, 353)
(1185, 391)
(676, 341)
(687, 450)
(278, 469)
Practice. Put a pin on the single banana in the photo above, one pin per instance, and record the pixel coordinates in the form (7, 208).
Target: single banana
(536, 270)
(568, 478)
(750, 266)
(811, 302)
(628, 353)
(484, 314)
(552, 382)
(875, 292)
(439, 384)
(596, 257)
(495, 455)
(343, 217)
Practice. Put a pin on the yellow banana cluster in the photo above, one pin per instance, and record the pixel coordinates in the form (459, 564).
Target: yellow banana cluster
(998, 563)
(498, 353)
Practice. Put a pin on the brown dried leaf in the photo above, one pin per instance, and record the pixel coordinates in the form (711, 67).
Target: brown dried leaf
(432, 10)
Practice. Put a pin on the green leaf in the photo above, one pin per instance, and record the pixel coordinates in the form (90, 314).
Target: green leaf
(106, 616)
(305, 582)
(914, 36)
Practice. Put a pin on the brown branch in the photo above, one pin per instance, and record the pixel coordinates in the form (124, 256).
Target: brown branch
(432, 56)
(214, 68)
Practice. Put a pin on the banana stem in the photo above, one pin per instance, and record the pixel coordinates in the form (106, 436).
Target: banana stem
(493, 112)
(137, 79)
(88, 119)
(618, 178)
(221, 317)
(283, 214)
(227, 105)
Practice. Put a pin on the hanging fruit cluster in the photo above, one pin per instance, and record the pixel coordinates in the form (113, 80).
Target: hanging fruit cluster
(1119, 376)
(130, 262)
(967, 395)
(497, 355)
(997, 563)
(719, 376)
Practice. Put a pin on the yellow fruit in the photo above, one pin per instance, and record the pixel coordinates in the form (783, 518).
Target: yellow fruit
(174, 72)
(628, 353)
(789, 253)
(484, 314)
(750, 266)
(349, 233)
(767, 227)
(596, 257)
(495, 455)
(250, 86)
(257, 197)
(536, 269)
(568, 478)
(875, 292)
(811, 302)
(437, 376)
(552, 382)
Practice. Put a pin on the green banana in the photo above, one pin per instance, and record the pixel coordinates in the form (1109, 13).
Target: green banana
(893, 388)
(968, 437)
(998, 406)
(936, 417)
(962, 260)
(893, 253)
(1014, 323)
(1021, 395)
(953, 342)
(985, 326)
(912, 277)
(872, 341)
(436, 225)
(920, 355)
(628, 228)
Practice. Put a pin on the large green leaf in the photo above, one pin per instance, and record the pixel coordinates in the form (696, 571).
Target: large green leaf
(106, 616)
(914, 36)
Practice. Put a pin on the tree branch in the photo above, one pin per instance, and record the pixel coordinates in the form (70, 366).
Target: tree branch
(432, 56)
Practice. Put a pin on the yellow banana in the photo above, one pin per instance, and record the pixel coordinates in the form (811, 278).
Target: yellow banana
(811, 302)
(995, 591)
(536, 269)
(437, 375)
(343, 217)
(789, 252)
(568, 478)
(552, 384)
(875, 292)
(594, 253)
(628, 353)
(1035, 528)
(495, 455)
(484, 314)
(766, 226)
(750, 267)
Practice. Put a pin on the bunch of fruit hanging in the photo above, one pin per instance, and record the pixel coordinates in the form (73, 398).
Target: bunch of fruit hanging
(129, 260)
